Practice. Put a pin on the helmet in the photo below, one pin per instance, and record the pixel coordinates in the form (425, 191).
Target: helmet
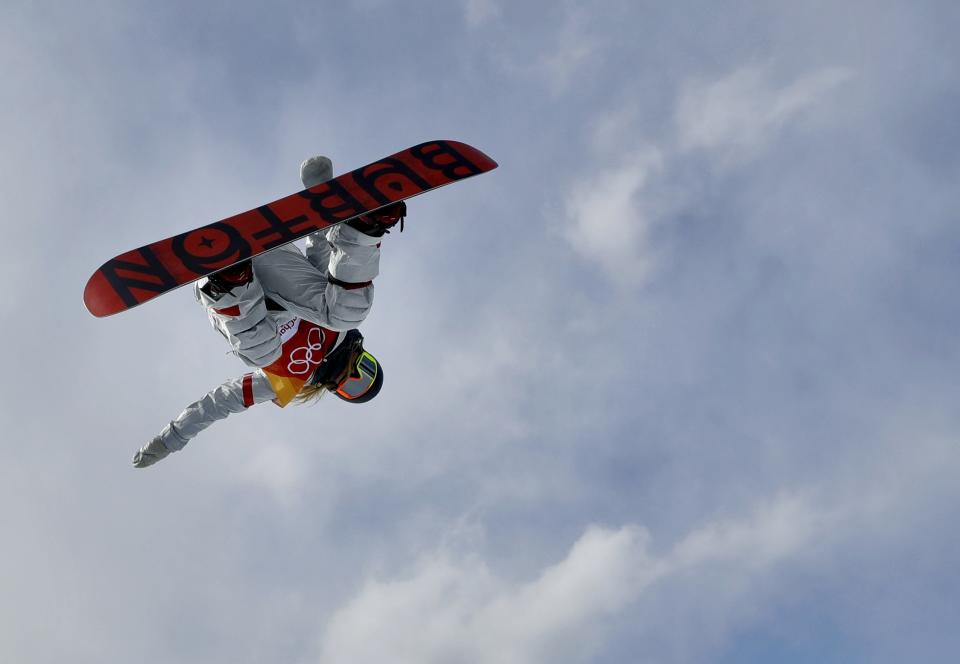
(350, 372)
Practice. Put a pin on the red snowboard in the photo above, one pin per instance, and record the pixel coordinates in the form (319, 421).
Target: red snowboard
(136, 276)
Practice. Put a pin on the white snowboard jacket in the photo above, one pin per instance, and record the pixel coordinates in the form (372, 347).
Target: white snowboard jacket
(283, 322)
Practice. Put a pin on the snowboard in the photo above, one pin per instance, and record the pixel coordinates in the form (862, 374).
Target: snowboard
(140, 275)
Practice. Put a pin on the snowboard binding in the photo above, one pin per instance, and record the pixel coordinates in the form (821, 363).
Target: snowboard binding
(222, 282)
(379, 222)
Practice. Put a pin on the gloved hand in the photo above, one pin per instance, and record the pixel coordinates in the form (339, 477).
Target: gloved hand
(150, 453)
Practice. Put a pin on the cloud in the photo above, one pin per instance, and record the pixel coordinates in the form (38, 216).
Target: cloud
(559, 57)
(481, 12)
(277, 467)
(452, 610)
(574, 47)
(737, 115)
(560, 65)
(523, 399)
(610, 221)
(613, 212)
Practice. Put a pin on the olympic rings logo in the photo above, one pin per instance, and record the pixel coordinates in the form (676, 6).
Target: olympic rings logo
(305, 358)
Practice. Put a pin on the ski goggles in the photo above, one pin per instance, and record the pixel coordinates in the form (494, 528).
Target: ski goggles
(360, 378)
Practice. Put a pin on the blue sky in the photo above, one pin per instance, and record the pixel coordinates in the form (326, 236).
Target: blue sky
(676, 383)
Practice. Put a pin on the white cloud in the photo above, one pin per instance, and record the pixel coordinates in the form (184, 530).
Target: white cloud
(612, 128)
(560, 65)
(693, 423)
(459, 610)
(613, 212)
(562, 57)
(610, 222)
(481, 12)
(774, 531)
(275, 466)
(737, 115)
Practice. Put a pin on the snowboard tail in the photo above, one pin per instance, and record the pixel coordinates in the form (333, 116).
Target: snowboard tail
(140, 275)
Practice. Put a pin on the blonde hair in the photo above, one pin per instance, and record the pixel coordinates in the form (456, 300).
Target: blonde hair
(311, 393)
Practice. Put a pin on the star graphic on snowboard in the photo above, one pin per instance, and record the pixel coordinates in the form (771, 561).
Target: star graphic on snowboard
(206, 242)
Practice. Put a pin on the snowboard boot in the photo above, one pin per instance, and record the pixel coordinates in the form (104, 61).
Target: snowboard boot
(381, 221)
(150, 453)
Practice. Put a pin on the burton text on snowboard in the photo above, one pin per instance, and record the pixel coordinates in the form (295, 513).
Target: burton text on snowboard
(142, 274)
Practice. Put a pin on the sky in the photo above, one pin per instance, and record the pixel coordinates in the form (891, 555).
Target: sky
(675, 383)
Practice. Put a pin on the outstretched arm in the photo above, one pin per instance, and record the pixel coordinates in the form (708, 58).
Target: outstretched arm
(234, 396)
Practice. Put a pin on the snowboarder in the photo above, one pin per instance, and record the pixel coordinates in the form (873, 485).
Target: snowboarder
(293, 318)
